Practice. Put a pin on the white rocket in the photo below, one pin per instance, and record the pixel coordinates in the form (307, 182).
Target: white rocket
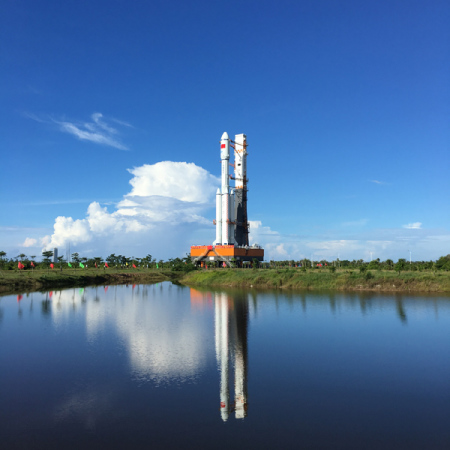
(225, 198)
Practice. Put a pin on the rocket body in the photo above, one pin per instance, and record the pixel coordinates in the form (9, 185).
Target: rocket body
(224, 228)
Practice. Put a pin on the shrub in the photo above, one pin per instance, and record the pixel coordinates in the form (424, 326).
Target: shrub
(368, 275)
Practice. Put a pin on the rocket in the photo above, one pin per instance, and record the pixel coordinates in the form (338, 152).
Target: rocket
(232, 203)
(225, 198)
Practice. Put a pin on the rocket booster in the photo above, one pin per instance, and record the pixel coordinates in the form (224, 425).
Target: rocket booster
(224, 209)
(218, 216)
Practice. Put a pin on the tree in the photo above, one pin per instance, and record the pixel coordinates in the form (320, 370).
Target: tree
(443, 263)
(76, 258)
(60, 260)
(2, 257)
(111, 259)
(98, 260)
(46, 256)
(401, 264)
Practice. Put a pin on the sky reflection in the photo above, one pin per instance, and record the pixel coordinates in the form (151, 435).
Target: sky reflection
(124, 361)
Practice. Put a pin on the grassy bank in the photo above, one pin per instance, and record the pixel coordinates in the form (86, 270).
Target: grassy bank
(322, 279)
(342, 280)
(13, 281)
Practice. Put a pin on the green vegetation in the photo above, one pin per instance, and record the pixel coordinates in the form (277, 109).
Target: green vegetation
(21, 281)
(83, 271)
(340, 279)
(429, 276)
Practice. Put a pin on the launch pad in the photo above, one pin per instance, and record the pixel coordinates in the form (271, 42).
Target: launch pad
(232, 225)
(216, 255)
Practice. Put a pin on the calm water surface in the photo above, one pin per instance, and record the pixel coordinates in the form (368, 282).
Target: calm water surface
(165, 366)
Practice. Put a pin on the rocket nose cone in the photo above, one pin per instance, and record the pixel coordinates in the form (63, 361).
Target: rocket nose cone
(225, 136)
(218, 191)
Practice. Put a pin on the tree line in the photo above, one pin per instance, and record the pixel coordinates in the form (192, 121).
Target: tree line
(443, 263)
(76, 261)
(124, 262)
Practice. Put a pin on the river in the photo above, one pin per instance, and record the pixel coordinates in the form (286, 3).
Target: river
(167, 366)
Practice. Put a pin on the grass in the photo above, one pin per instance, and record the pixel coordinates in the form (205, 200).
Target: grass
(12, 281)
(322, 279)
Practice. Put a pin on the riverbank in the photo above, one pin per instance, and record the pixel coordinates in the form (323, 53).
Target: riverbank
(295, 279)
(341, 280)
(12, 282)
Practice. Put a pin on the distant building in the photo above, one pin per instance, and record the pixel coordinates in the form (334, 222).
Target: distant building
(55, 255)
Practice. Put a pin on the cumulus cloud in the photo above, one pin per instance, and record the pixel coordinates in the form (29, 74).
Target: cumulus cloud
(29, 242)
(413, 226)
(168, 179)
(163, 210)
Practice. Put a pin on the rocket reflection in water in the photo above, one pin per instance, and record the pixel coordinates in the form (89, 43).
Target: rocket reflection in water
(231, 328)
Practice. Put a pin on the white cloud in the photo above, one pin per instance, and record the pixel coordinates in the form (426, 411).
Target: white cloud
(161, 214)
(97, 131)
(413, 226)
(29, 242)
(168, 179)
(378, 182)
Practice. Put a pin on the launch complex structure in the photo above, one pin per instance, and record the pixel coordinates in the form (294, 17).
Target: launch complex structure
(232, 226)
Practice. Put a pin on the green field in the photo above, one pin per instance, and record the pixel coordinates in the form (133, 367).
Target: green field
(12, 281)
(342, 280)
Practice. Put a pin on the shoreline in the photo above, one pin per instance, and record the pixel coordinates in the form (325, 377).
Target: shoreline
(19, 283)
(278, 279)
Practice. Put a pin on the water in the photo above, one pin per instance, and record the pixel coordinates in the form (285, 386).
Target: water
(165, 366)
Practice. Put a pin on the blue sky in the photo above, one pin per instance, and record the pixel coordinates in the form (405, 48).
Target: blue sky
(345, 105)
